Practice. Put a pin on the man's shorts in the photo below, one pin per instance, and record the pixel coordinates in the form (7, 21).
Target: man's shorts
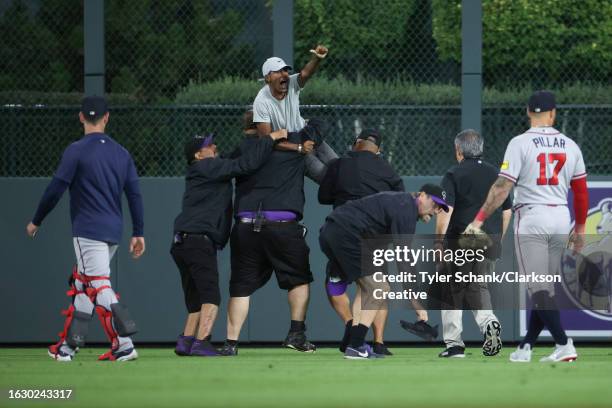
(278, 247)
(196, 258)
(343, 251)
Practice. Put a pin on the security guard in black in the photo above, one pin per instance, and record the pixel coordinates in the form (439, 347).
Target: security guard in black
(467, 185)
(361, 173)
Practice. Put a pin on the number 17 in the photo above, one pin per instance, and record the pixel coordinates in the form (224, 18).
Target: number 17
(552, 157)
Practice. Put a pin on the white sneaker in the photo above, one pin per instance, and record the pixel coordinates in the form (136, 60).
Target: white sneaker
(521, 355)
(562, 353)
(127, 355)
(60, 356)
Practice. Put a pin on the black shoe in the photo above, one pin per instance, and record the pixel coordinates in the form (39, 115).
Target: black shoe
(298, 341)
(380, 348)
(421, 329)
(229, 349)
(453, 352)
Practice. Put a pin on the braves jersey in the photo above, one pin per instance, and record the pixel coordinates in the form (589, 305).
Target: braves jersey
(542, 162)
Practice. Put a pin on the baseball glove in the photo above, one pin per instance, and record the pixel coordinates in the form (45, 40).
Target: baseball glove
(474, 238)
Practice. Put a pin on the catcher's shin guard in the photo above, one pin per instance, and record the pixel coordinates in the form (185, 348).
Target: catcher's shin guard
(69, 313)
(79, 326)
(106, 319)
(116, 322)
(76, 323)
(124, 323)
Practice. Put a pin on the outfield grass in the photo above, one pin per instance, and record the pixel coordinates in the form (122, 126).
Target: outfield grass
(269, 377)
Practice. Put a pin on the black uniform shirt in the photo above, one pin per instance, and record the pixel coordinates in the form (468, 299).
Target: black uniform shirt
(361, 174)
(467, 185)
(278, 185)
(207, 201)
(386, 213)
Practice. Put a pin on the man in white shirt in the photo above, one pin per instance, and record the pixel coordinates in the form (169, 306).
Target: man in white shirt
(277, 106)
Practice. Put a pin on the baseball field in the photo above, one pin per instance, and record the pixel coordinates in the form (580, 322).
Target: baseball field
(270, 377)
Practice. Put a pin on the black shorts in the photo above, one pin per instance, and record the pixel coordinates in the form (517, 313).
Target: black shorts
(278, 247)
(196, 259)
(343, 250)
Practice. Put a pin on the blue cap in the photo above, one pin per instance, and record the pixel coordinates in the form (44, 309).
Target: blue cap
(542, 101)
(94, 107)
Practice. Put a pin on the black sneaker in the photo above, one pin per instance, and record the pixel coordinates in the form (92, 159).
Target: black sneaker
(453, 352)
(298, 341)
(380, 348)
(492, 339)
(229, 349)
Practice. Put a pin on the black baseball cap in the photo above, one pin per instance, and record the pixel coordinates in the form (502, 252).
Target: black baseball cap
(372, 135)
(195, 144)
(437, 194)
(93, 107)
(542, 101)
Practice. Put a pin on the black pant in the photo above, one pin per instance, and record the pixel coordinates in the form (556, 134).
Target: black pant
(343, 251)
(196, 258)
(278, 247)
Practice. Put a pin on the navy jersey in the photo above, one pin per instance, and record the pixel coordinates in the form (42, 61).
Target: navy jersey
(98, 170)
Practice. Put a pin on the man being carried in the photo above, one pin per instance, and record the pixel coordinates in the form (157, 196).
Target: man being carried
(277, 106)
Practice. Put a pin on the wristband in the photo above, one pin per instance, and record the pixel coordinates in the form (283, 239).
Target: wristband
(481, 216)
(300, 148)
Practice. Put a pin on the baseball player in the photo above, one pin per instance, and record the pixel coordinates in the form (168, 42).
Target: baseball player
(542, 164)
(277, 106)
(386, 213)
(97, 170)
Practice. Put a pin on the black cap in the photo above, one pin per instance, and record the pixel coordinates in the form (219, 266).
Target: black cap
(372, 135)
(437, 194)
(195, 144)
(93, 107)
(542, 101)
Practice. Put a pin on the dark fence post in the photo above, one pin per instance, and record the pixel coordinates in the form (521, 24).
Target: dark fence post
(93, 29)
(282, 17)
(471, 64)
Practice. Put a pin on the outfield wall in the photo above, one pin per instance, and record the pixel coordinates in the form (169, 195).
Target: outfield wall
(35, 274)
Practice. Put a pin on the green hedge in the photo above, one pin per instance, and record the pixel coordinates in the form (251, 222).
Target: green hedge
(32, 98)
(341, 91)
(323, 91)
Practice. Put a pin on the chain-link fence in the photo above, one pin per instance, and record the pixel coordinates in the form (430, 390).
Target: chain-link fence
(180, 67)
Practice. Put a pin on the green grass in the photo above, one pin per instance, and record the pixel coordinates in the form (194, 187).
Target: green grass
(269, 377)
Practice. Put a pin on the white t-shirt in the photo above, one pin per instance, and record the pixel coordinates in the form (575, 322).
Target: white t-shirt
(542, 162)
(283, 114)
